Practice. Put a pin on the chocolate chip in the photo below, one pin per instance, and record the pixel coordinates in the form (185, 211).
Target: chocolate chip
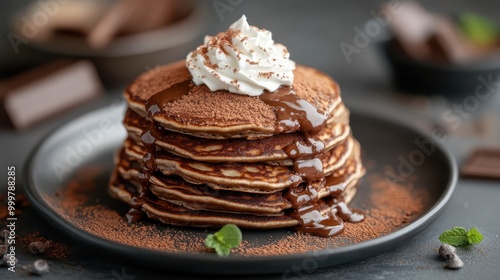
(447, 251)
(455, 262)
(39, 267)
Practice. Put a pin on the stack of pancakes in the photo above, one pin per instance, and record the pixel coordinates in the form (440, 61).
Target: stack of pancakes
(201, 158)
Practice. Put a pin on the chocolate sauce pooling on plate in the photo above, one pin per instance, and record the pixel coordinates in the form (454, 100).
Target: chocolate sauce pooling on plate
(292, 113)
(153, 106)
(314, 221)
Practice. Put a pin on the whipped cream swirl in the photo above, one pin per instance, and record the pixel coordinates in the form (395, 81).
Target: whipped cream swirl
(244, 59)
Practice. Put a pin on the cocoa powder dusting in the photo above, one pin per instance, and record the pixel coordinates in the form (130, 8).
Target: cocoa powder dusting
(202, 107)
(387, 207)
(221, 41)
(221, 108)
(156, 80)
(54, 250)
(391, 206)
(78, 203)
(109, 224)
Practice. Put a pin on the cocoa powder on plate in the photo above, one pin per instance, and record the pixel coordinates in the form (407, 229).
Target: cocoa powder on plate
(388, 207)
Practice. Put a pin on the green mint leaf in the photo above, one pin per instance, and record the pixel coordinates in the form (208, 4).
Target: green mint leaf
(222, 250)
(229, 236)
(478, 29)
(474, 236)
(211, 241)
(456, 236)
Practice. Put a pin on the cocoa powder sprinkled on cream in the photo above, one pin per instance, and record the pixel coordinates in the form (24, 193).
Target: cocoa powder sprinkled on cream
(250, 50)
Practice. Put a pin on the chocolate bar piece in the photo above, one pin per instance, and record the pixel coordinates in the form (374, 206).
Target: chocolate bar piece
(39, 93)
(482, 163)
(422, 35)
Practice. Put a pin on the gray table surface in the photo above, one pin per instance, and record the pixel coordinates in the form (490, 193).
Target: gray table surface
(312, 31)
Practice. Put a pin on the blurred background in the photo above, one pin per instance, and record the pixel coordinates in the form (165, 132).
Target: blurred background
(431, 64)
(348, 41)
(312, 30)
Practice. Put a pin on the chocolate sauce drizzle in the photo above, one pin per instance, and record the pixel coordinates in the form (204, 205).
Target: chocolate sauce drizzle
(293, 113)
(154, 106)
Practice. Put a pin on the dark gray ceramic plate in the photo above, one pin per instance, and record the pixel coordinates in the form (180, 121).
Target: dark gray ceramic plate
(90, 141)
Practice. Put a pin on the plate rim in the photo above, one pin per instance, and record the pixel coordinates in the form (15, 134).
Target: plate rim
(115, 248)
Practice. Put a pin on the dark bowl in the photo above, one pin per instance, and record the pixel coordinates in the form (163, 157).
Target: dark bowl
(477, 77)
(129, 55)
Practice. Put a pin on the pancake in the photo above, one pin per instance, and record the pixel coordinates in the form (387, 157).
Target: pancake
(241, 155)
(269, 149)
(203, 113)
(175, 190)
(202, 197)
(247, 177)
(173, 214)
